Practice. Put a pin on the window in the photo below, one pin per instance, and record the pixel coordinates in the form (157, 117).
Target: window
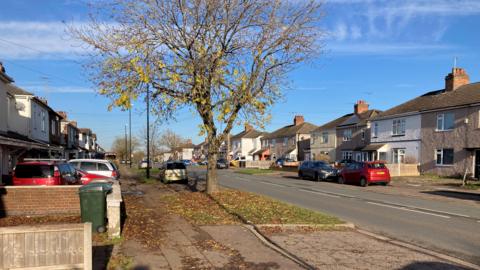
(445, 121)
(54, 128)
(285, 141)
(398, 155)
(274, 142)
(324, 137)
(88, 166)
(347, 155)
(444, 156)
(43, 121)
(363, 134)
(398, 127)
(103, 167)
(382, 155)
(375, 130)
(347, 135)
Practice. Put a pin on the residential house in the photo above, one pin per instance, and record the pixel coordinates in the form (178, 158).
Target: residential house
(85, 143)
(69, 138)
(287, 142)
(184, 151)
(450, 127)
(323, 140)
(245, 143)
(353, 135)
(200, 151)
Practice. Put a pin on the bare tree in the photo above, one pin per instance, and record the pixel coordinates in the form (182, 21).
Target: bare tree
(118, 146)
(171, 140)
(226, 59)
(154, 138)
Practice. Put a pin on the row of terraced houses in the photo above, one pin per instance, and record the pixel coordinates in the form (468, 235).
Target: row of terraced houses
(30, 128)
(439, 131)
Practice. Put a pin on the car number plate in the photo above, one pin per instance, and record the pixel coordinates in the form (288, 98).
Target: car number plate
(380, 172)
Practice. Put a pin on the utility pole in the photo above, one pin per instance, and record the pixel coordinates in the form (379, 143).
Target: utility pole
(130, 134)
(148, 132)
(126, 149)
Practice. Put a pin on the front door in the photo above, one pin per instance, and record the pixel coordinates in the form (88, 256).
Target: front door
(477, 164)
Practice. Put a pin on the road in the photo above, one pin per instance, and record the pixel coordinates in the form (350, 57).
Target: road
(448, 227)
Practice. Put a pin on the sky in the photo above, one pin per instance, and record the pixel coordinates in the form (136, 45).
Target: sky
(384, 52)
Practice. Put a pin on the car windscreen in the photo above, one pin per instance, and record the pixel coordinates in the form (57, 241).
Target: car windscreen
(376, 166)
(34, 171)
(175, 166)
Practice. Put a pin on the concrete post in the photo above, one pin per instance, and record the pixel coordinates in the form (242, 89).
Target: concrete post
(114, 201)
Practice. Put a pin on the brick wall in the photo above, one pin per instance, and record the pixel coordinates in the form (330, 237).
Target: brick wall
(39, 200)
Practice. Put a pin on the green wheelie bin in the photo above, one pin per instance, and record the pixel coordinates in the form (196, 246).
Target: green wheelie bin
(93, 199)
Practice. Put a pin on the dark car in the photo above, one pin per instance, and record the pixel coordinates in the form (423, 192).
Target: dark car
(316, 170)
(45, 173)
(365, 173)
(222, 164)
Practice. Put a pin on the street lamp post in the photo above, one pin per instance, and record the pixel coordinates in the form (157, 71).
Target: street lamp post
(126, 149)
(130, 134)
(148, 132)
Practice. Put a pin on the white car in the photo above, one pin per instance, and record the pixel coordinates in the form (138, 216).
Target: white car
(97, 166)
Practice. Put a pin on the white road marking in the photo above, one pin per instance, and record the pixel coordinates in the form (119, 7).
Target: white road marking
(414, 185)
(428, 209)
(406, 209)
(273, 184)
(319, 193)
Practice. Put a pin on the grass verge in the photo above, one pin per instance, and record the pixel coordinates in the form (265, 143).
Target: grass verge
(200, 209)
(254, 171)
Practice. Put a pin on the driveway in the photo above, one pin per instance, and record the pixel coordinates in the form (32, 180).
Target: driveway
(449, 227)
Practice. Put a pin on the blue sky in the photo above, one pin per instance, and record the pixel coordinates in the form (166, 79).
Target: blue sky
(384, 52)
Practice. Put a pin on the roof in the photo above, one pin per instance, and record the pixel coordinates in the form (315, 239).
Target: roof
(360, 119)
(291, 130)
(438, 99)
(15, 90)
(250, 134)
(5, 78)
(334, 123)
(373, 147)
(85, 130)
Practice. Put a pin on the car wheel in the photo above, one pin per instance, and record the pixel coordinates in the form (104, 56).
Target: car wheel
(300, 175)
(317, 178)
(385, 183)
(363, 182)
(341, 180)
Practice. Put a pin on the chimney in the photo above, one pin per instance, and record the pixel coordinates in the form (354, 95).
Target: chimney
(248, 127)
(360, 107)
(455, 79)
(63, 115)
(73, 123)
(2, 68)
(189, 141)
(298, 120)
(44, 100)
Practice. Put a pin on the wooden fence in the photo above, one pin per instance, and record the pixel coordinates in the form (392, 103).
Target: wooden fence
(403, 169)
(260, 164)
(62, 246)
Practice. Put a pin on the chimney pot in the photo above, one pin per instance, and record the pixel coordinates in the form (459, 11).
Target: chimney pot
(298, 120)
(248, 127)
(458, 77)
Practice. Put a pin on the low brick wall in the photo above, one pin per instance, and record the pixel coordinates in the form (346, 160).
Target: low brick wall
(39, 200)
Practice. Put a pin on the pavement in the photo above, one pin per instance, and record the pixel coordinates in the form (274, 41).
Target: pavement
(187, 246)
(446, 225)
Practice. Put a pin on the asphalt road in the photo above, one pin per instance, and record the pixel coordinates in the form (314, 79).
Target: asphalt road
(452, 228)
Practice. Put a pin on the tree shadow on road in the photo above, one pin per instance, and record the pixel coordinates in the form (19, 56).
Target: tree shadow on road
(432, 266)
(455, 194)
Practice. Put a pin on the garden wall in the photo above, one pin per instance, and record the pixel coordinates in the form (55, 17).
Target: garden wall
(39, 200)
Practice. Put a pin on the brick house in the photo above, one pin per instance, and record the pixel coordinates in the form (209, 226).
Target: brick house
(323, 140)
(353, 135)
(450, 127)
(290, 141)
(245, 143)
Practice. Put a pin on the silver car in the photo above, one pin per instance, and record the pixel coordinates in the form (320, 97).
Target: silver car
(316, 170)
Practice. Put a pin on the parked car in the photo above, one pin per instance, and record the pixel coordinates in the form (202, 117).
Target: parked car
(365, 173)
(44, 173)
(316, 170)
(222, 164)
(143, 164)
(173, 171)
(97, 166)
(86, 178)
(281, 161)
(344, 163)
(187, 162)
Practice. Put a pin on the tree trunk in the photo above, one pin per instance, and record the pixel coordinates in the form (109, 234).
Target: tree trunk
(212, 181)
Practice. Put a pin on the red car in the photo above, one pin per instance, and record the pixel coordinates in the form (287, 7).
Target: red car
(86, 177)
(44, 173)
(364, 173)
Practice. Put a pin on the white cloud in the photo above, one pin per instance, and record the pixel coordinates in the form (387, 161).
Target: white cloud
(32, 40)
(355, 32)
(341, 31)
(385, 48)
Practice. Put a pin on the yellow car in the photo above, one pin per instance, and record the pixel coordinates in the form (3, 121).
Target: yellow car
(173, 171)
